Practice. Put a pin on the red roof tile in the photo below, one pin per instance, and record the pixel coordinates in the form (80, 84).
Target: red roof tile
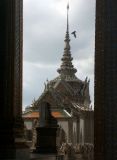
(34, 114)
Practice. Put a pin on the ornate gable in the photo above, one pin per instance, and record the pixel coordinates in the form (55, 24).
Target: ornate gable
(63, 87)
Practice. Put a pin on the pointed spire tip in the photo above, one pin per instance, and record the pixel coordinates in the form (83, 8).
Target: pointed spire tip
(68, 6)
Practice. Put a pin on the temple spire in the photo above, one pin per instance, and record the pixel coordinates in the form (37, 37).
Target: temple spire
(68, 17)
(67, 69)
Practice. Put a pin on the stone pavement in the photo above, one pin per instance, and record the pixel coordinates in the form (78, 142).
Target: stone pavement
(42, 157)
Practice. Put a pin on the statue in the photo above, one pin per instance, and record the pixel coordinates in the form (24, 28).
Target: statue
(34, 138)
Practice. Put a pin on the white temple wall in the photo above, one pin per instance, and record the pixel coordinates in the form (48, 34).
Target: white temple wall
(64, 125)
(28, 124)
(72, 128)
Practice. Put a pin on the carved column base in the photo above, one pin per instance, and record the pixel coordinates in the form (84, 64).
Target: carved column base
(20, 141)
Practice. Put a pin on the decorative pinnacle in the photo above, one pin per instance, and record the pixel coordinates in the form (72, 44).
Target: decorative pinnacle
(66, 68)
(67, 17)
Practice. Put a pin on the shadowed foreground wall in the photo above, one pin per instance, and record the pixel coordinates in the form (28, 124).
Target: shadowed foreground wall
(10, 73)
(106, 80)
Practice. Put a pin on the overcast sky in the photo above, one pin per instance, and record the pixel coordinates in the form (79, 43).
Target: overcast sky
(44, 32)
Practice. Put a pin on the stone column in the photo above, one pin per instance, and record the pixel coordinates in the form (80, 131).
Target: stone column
(70, 130)
(81, 132)
(18, 61)
(88, 127)
(7, 148)
(78, 129)
(11, 76)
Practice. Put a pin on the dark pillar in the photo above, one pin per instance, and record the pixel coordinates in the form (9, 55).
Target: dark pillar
(70, 130)
(77, 129)
(11, 76)
(105, 116)
(88, 127)
(18, 61)
(7, 53)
